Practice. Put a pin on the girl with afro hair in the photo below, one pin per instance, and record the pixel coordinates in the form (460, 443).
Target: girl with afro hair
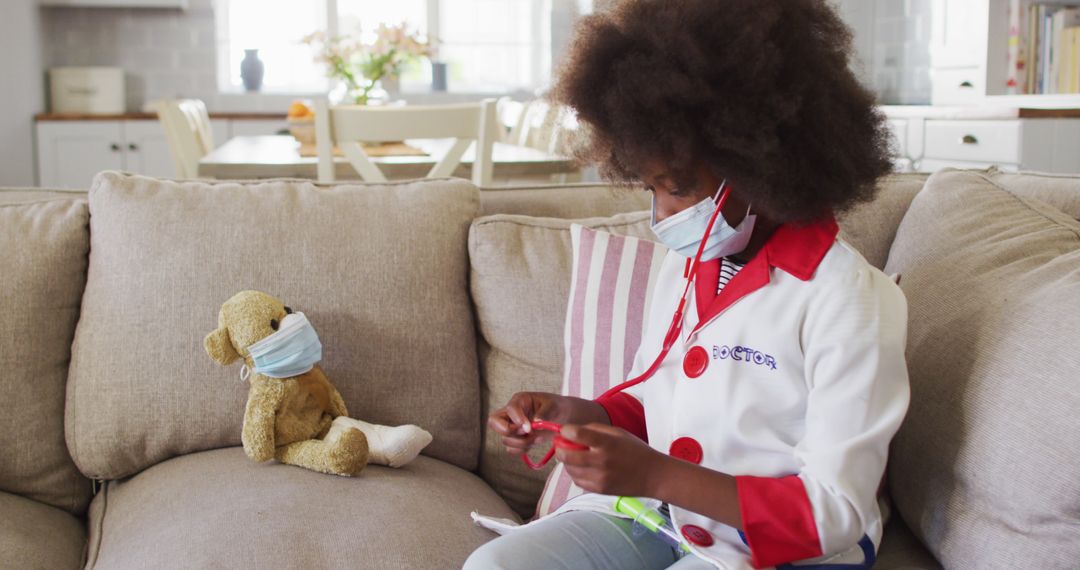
(759, 422)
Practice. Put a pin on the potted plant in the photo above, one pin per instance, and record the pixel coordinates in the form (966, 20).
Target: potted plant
(361, 66)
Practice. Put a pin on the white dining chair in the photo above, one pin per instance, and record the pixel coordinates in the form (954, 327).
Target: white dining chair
(510, 113)
(549, 128)
(535, 128)
(347, 126)
(188, 132)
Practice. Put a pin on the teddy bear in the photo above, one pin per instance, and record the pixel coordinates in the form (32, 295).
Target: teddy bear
(294, 414)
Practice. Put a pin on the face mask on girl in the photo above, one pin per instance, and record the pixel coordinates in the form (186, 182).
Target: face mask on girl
(684, 231)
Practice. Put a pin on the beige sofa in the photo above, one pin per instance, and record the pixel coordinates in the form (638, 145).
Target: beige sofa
(435, 302)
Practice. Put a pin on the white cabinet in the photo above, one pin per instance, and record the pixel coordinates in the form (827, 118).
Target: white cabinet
(958, 33)
(1044, 145)
(147, 149)
(959, 50)
(70, 153)
(181, 4)
(969, 55)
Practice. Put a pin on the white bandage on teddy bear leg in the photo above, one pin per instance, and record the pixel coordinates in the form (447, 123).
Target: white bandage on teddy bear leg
(391, 446)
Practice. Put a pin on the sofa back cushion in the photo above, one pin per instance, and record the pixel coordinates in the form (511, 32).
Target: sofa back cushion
(1057, 190)
(521, 269)
(381, 270)
(871, 227)
(984, 468)
(43, 249)
(563, 201)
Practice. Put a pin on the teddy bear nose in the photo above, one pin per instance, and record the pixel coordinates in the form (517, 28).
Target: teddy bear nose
(288, 311)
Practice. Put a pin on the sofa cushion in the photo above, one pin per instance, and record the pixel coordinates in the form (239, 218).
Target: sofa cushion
(43, 249)
(521, 269)
(380, 269)
(562, 201)
(217, 509)
(22, 195)
(608, 302)
(871, 227)
(984, 467)
(1061, 191)
(900, 550)
(35, 535)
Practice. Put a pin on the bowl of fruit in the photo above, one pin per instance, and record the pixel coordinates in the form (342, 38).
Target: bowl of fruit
(301, 119)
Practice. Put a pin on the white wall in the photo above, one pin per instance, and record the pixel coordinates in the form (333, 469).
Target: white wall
(23, 90)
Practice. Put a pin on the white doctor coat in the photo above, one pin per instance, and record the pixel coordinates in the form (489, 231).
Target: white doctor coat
(793, 380)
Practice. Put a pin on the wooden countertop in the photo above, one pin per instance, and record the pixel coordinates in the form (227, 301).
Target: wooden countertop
(892, 111)
(976, 112)
(149, 116)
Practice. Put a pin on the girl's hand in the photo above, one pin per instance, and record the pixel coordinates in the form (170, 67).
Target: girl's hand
(616, 463)
(514, 420)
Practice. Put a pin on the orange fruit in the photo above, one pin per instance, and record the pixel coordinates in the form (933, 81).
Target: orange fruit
(298, 110)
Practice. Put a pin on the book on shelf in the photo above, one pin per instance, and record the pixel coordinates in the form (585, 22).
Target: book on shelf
(1043, 47)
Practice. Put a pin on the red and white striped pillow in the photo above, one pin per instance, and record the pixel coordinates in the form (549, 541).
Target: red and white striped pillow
(610, 290)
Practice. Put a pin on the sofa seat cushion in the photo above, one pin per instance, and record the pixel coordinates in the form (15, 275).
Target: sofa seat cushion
(380, 269)
(900, 550)
(43, 250)
(983, 470)
(35, 535)
(218, 509)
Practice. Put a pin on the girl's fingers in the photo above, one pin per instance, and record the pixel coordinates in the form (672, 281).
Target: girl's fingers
(577, 458)
(514, 441)
(499, 424)
(519, 417)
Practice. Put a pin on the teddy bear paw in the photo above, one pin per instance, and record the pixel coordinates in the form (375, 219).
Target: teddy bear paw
(348, 454)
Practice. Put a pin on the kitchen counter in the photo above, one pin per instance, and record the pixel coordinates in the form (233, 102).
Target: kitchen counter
(150, 116)
(976, 112)
(891, 111)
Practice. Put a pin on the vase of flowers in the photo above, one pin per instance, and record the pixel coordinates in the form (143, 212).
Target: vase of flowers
(362, 66)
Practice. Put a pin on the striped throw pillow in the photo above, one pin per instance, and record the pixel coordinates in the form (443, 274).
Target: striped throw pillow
(611, 286)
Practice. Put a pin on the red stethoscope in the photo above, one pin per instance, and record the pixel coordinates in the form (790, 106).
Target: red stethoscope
(674, 329)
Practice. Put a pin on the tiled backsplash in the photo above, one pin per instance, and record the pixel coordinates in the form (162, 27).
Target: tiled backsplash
(165, 53)
(902, 51)
(892, 38)
(171, 53)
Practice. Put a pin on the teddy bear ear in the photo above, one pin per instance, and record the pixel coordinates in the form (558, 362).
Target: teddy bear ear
(219, 346)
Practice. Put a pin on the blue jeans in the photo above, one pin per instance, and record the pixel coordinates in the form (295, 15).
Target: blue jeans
(581, 540)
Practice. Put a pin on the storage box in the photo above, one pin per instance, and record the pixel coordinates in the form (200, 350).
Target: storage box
(93, 90)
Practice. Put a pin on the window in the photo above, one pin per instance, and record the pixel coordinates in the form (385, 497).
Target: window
(488, 45)
(274, 27)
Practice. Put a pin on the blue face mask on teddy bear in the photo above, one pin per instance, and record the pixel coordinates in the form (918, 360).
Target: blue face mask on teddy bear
(291, 351)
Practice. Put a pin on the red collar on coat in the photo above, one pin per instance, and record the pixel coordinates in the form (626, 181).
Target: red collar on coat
(797, 249)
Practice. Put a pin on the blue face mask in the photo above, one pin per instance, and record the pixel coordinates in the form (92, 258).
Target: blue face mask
(683, 231)
(291, 351)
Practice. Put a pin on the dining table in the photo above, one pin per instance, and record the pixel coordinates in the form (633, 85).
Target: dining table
(279, 156)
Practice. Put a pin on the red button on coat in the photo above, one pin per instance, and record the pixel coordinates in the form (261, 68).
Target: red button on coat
(697, 535)
(687, 449)
(695, 362)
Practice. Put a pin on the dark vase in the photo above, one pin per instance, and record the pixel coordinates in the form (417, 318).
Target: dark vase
(438, 76)
(251, 70)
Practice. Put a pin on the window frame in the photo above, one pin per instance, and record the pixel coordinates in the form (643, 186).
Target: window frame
(225, 85)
